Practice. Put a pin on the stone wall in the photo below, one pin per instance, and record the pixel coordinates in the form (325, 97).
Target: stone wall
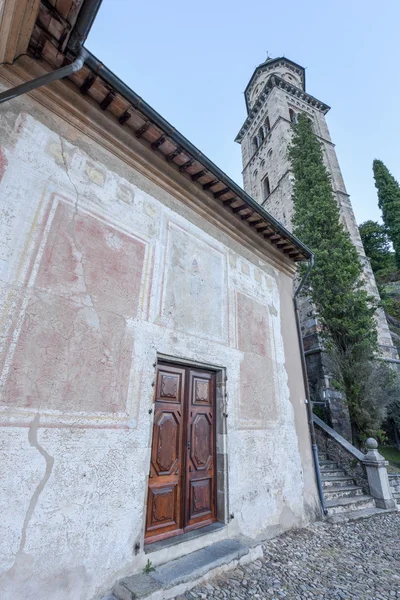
(271, 159)
(335, 451)
(394, 480)
(107, 262)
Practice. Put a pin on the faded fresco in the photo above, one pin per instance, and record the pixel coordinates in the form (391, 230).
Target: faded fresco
(101, 272)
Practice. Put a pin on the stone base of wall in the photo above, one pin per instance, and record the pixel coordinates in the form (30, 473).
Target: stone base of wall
(394, 480)
(335, 451)
(320, 375)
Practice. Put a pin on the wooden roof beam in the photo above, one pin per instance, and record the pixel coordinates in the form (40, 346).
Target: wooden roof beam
(256, 222)
(159, 142)
(229, 201)
(199, 174)
(105, 103)
(142, 129)
(260, 229)
(237, 209)
(87, 84)
(210, 184)
(186, 165)
(221, 193)
(125, 117)
(172, 155)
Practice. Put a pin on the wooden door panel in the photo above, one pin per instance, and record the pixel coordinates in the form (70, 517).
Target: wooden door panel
(167, 432)
(162, 513)
(181, 494)
(164, 504)
(200, 451)
(201, 500)
(169, 385)
(201, 441)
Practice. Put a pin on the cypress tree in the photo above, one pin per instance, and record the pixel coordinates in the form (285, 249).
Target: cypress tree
(389, 202)
(344, 309)
(377, 247)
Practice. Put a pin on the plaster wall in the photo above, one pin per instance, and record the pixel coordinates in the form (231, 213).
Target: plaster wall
(101, 271)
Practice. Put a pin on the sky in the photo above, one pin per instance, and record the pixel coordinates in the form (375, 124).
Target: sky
(192, 61)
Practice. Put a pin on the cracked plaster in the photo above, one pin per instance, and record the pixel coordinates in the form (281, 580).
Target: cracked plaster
(96, 265)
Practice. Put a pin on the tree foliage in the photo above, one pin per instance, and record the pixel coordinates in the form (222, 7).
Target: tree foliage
(389, 202)
(376, 243)
(345, 311)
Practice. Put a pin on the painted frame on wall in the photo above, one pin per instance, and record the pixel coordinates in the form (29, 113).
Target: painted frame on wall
(28, 276)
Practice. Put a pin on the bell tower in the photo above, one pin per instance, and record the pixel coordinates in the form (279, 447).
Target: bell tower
(275, 95)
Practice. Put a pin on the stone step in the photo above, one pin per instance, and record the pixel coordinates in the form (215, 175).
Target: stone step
(363, 513)
(346, 491)
(179, 575)
(334, 473)
(329, 481)
(327, 464)
(329, 469)
(341, 505)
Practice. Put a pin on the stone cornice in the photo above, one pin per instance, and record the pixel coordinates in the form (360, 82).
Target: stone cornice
(278, 82)
(269, 65)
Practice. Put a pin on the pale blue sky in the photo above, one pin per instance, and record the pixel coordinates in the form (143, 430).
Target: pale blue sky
(192, 62)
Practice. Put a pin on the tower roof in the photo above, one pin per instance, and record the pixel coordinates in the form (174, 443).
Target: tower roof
(268, 64)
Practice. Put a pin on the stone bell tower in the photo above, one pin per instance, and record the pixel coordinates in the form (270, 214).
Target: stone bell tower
(274, 97)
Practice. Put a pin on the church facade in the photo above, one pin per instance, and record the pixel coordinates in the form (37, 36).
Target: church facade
(151, 378)
(275, 95)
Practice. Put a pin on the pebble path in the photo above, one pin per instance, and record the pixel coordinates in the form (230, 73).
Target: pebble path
(357, 560)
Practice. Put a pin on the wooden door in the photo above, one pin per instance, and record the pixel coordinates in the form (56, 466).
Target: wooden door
(200, 451)
(181, 494)
(164, 500)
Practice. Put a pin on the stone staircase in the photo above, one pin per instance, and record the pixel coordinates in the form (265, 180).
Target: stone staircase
(343, 497)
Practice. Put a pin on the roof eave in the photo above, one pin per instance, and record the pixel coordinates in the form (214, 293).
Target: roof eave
(137, 102)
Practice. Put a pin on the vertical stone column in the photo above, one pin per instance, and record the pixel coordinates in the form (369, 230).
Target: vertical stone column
(378, 479)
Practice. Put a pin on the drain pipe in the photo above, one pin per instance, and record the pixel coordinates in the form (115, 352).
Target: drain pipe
(307, 387)
(84, 22)
(28, 86)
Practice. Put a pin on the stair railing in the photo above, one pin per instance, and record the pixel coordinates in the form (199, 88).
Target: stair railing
(369, 470)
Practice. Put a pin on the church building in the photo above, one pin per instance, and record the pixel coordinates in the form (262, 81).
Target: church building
(275, 95)
(152, 397)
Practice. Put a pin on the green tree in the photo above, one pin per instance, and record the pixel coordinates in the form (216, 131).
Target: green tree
(345, 311)
(389, 202)
(377, 247)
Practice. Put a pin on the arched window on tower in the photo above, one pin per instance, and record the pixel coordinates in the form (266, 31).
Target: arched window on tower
(266, 187)
(255, 143)
(267, 126)
(261, 134)
(293, 116)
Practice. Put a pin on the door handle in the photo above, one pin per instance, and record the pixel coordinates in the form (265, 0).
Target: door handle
(188, 445)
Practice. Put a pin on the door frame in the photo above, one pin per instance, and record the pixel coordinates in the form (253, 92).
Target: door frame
(221, 447)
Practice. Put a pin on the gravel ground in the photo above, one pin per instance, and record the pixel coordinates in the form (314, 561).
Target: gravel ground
(353, 561)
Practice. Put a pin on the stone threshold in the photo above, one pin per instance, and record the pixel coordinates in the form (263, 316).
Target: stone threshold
(184, 537)
(356, 515)
(182, 574)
